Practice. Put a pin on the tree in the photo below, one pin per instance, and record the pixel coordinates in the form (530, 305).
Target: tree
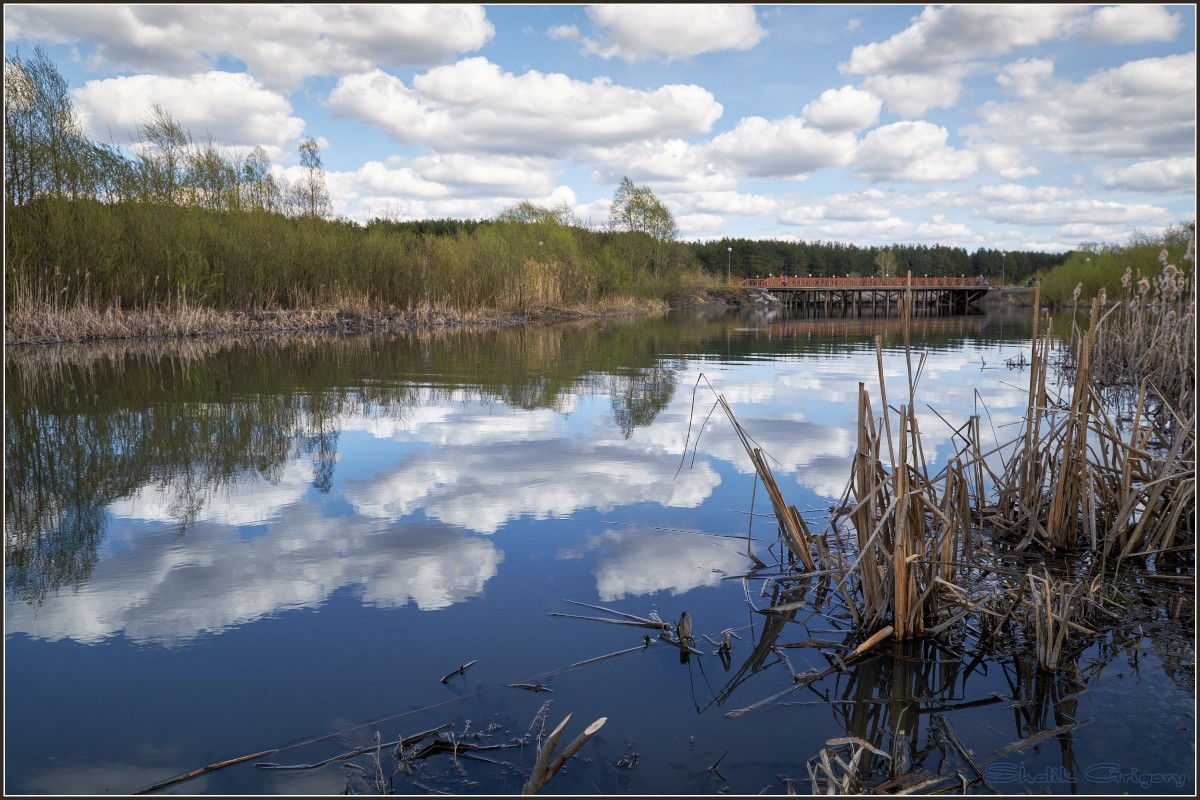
(528, 212)
(635, 210)
(885, 263)
(211, 177)
(162, 157)
(45, 151)
(257, 188)
(311, 197)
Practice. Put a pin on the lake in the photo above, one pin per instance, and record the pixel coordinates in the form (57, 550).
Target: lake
(281, 547)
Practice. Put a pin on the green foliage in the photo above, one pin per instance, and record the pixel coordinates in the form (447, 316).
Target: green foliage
(885, 263)
(1105, 267)
(310, 196)
(526, 211)
(137, 254)
(647, 225)
(186, 220)
(45, 151)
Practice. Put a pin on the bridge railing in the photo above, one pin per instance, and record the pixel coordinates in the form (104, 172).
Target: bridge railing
(794, 282)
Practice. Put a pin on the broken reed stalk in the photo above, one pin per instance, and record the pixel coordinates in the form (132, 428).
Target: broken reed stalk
(1073, 473)
(1054, 607)
(798, 537)
(543, 768)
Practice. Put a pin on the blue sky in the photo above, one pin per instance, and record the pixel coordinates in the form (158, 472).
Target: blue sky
(1017, 127)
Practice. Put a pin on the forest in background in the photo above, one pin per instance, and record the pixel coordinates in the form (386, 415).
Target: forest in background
(172, 222)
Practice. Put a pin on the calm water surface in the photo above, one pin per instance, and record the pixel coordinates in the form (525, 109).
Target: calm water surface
(228, 546)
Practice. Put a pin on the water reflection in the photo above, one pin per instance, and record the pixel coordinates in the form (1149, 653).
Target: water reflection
(154, 588)
(482, 427)
(481, 488)
(450, 489)
(637, 561)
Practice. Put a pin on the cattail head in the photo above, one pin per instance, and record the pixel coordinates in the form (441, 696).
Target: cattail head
(1143, 286)
(1126, 278)
(1162, 256)
(1078, 290)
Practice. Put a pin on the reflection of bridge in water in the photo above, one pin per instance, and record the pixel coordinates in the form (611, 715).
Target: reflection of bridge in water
(853, 295)
(817, 323)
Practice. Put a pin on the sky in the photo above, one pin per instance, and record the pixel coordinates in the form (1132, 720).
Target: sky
(1012, 127)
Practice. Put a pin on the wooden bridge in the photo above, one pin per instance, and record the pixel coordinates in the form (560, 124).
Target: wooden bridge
(946, 295)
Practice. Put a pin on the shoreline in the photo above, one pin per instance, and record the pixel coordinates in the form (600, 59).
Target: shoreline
(83, 325)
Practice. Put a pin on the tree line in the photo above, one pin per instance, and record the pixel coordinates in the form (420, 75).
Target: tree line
(745, 258)
(47, 155)
(183, 217)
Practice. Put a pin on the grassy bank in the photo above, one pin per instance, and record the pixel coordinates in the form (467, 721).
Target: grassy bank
(80, 269)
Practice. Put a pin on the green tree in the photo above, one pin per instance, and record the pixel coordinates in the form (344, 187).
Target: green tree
(257, 188)
(885, 263)
(162, 158)
(528, 212)
(310, 195)
(212, 177)
(45, 150)
(635, 210)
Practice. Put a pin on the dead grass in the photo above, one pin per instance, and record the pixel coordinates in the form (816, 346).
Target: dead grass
(27, 324)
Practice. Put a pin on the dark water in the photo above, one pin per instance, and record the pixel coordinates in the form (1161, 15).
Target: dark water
(229, 546)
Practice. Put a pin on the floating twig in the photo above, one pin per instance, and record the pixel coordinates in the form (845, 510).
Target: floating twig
(658, 626)
(460, 671)
(611, 655)
(1040, 736)
(653, 623)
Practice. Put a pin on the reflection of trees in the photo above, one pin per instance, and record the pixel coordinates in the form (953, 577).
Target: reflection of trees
(639, 395)
(798, 331)
(87, 425)
(55, 472)
(79, 436)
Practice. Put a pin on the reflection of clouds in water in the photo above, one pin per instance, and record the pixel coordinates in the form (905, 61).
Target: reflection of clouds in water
(492, 464)
(248, 501)
(169, 590)
(481, 488)
(642, 561)
(314, 783)
(440, 422)
(106, 778)
(827, 476)
(792, 445)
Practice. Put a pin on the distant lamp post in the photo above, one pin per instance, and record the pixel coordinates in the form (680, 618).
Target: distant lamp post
(728, 259)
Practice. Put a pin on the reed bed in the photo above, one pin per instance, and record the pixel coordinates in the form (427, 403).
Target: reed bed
(1083, 479)
(40, 323)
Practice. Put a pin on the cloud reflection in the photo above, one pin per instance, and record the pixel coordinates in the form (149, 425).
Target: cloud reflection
(170, 589)
(643, 561)
(481, 488)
